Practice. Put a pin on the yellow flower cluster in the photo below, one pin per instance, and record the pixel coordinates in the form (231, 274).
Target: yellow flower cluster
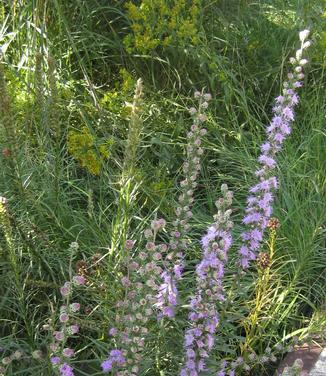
(161, 187)
(83, 147)
(162, 23)
(115, 99)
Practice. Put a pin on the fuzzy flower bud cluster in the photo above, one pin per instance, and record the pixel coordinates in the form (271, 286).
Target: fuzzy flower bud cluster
(60, 353)
(6, 361)
(259, 202)
(167, 297)
(130, 330)
(295, 370)
(203, 316)
(246, 364)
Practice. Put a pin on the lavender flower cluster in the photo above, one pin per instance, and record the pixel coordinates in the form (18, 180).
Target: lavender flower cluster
(141, 288)
(203, 316)
(173, 265)
(259, 202)
(60, 353)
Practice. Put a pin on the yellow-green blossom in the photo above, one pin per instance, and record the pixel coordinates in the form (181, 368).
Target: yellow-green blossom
(82, 146)
(163, 23)
(115, 99)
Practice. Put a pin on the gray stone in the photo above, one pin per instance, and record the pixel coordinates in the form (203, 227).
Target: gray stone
(320, 366)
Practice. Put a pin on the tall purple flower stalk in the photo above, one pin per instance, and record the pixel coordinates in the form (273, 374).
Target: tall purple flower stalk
(259, 203)
(203, 316)
(60, 353)
(136, 309)
(173, 263)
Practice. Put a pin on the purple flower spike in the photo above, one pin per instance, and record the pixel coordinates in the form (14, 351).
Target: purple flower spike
(141, 289)
(259, 203)
(55, 360)
(115, 358)
(168, 292)
(203, 316)
(66, 370)
(59, 355)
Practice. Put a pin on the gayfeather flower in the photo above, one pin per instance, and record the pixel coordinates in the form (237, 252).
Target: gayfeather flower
(59, 353)
(259, 203)
(203, 316)
(173, 263)
(66, 370)
(130, 327)
(116, 358)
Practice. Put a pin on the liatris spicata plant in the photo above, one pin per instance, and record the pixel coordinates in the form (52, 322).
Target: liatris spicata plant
(135, 128)
(245, 363)
(128, 186)
(60, 353)
(137, 307)
(167, 297)
(39, 85)
(262, 291)
(6, 115)
(295, 370)
(259, 202)
(203, 316)
(53, 99)
(39, 99)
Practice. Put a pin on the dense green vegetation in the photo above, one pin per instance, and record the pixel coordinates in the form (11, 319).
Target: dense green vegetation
(84, 161)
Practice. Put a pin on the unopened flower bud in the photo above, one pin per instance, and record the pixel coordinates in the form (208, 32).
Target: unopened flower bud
(207, 97)
(68, 352)
(75, 307)
(6, 152)
(64, 317)
(79, 280)
(192, 111)
(298, 54)
(129, 244)
(303, 35)
(17, 355)
(6, 360)
(37, 354)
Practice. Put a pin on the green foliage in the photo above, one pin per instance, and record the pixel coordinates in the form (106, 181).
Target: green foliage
(162, 23)
(116, 100)
(83, 147)
(72, 188)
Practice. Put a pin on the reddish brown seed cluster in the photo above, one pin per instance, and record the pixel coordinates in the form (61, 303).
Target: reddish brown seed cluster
(89, 268)
(81, 268)
(6, 152)
(273, 224)
(263, 260)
